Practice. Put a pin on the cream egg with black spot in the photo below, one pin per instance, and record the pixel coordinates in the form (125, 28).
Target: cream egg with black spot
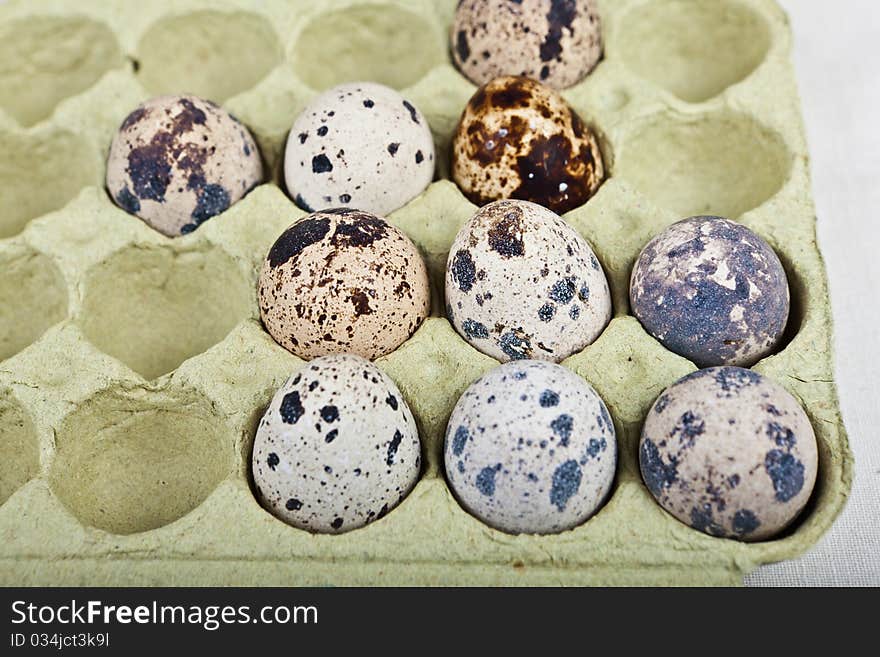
(730, 453)
(337, 448)
(530, 448)
(522, 283)
(555, 41)
(711, 290)
(343, 280)
(360, 145)
(178, 161)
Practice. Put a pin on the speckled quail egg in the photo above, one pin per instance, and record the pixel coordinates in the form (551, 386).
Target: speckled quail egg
(337, 448)
(555, 42)
(730, 453)
(519, 139)
(177, 161)
(342, 280)
(522, 283)
(530, 448)
(711, 290)
(359, 145)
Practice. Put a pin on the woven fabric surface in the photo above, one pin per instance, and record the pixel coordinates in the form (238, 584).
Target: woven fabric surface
(836, 55)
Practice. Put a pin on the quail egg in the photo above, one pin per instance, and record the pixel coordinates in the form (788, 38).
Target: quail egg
(711, 290)
(337, 448)
(557, 43)
(177, 161)
(343, 280)
(730, 453)
(522, 283)
(530, 448)
(519, 139)
(360, 145)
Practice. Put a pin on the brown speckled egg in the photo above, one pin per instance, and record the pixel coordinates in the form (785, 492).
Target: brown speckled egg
(519, 139)
(343, 280)
(337, 448)
(522, 283)
(730, 453)
(556, 42)
(177, 161)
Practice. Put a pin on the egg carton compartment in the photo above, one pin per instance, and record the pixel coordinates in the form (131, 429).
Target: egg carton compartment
(134, 368)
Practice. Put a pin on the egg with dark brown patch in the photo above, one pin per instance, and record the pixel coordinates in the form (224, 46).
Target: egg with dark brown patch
(343, 280)
(729, 452)
(522, 283)
(519, 139)
(337, 448)
(557, 42)
(178, 161)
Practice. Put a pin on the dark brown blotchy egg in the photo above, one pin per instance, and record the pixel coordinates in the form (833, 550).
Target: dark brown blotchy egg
(177, 161)
(556, 42)
(343, 280)
(519, 139)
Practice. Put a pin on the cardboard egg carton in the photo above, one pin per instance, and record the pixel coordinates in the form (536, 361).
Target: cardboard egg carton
(134, 368)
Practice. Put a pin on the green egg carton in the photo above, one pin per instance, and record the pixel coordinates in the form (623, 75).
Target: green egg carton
(134, 367)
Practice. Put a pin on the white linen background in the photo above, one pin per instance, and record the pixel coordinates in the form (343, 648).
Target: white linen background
(837, 60)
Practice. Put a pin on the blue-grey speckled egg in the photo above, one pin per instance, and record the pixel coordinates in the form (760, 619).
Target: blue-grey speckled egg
(530, 448)
(337, 448)
(730, 453)
(712, 291)
(522, 283)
